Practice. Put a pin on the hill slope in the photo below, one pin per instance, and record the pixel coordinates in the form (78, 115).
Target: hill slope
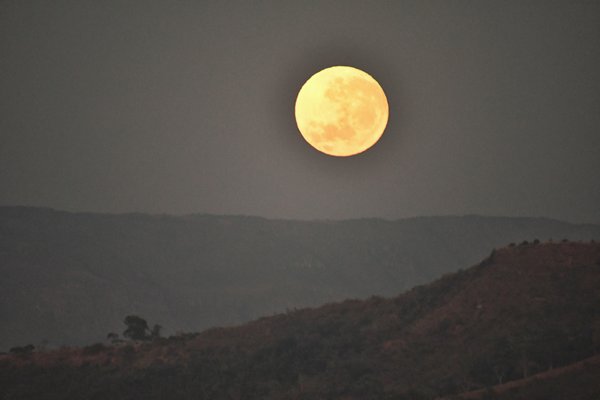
(71, 278)
(576, 381)
(522, 311)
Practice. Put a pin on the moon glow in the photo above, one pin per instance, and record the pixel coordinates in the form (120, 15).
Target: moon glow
(341, 111)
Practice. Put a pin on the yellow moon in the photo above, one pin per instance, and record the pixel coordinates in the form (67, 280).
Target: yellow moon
(341, 111)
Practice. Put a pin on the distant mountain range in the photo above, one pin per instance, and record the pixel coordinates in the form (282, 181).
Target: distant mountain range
(70, 278)
(522, 324)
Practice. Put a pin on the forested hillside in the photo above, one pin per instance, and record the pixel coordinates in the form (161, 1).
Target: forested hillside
(525, 310)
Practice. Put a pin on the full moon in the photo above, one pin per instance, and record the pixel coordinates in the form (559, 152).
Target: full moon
(341, 111)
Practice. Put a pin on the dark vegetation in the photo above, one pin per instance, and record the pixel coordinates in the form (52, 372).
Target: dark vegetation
(138, 329)
(70, 278)
(577, 381)
(27, 349)
(527, 313)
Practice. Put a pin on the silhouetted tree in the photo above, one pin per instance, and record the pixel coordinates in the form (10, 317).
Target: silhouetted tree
(137, 328)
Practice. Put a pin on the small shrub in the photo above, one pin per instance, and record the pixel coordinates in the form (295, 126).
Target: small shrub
(21, 350)
(94, 349)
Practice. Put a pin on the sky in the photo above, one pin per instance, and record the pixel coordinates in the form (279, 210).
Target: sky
(188, 107)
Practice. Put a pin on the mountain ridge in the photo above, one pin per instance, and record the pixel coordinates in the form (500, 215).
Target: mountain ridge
(21, 208)
(71, 278)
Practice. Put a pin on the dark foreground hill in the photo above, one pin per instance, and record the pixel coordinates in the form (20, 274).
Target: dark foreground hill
(71, 278)
(525, 310)
(576, 381)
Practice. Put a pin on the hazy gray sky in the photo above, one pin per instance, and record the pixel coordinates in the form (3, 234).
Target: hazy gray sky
(182, 107)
